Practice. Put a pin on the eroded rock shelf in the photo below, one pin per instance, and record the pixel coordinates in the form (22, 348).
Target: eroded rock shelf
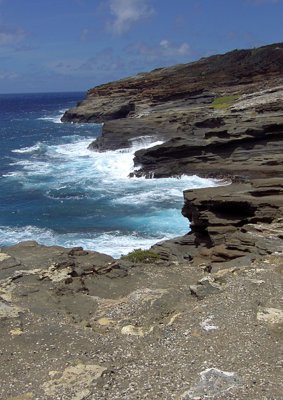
(218, 117)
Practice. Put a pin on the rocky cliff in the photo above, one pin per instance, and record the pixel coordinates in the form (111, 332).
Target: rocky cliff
(215, 116)
(239, 71)
(219, 117)
(201, 320)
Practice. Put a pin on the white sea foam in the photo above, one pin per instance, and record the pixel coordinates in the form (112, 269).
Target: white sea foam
(120, 243)
(77, 160)
(69, 171)
(162, 189)
(38, 148)
(26, 149)
(12, 235)
(15, 174)
(56, 119)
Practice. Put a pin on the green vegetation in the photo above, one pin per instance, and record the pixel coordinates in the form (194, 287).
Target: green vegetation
(142, 256)
(224, 102)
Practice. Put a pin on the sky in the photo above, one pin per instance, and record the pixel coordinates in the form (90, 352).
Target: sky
(73, 45)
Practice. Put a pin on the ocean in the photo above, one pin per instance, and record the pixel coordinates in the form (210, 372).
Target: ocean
(56, 191)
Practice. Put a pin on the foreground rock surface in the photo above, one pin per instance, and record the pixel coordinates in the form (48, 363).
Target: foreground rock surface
(79, 325)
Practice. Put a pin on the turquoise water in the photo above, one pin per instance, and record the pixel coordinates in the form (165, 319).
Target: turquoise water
(56, 191)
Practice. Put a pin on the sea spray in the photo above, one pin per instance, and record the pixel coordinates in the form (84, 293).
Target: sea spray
(57, 191)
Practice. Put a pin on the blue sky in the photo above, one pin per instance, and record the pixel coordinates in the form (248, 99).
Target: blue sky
(73, 45)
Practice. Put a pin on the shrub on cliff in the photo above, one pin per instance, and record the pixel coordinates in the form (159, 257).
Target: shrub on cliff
(141, 256)
(224, 101)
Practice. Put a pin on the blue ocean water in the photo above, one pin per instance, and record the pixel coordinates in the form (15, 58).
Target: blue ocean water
(56, 191)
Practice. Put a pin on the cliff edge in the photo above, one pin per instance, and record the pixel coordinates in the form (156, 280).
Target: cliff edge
(218, 117)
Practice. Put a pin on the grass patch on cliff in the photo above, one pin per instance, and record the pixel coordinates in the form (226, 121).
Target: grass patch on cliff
(141, 256)
(224, 102)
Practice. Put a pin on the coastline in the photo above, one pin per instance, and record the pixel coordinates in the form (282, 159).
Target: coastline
(203, 318)
(221, 118)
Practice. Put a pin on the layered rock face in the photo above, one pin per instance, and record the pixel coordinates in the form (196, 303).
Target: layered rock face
(218, 117)
(181, 85)
(235, 221)
(242, 139)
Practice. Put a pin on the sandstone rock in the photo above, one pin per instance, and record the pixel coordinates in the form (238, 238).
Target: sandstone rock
(8, 263)
(204, 288)
(270, 315)
(8, 310)
(74, 382)
(4, 256)
(132, 330)
(214, 211)
(25, 396)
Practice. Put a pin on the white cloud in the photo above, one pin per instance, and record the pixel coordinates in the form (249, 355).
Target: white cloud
(11, 37)
(126, 12)
(145, 57)
(84, 34)
(165, 51)
(8, 75)
(108, 64)
(171, 49)
(104, 60)
(103, 63)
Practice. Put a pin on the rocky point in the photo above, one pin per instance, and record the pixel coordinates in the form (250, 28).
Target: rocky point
(204, 318)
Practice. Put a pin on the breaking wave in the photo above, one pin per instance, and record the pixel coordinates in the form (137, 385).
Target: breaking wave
(57, 191)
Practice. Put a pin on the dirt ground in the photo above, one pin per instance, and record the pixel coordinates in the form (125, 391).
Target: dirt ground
(82, 326)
